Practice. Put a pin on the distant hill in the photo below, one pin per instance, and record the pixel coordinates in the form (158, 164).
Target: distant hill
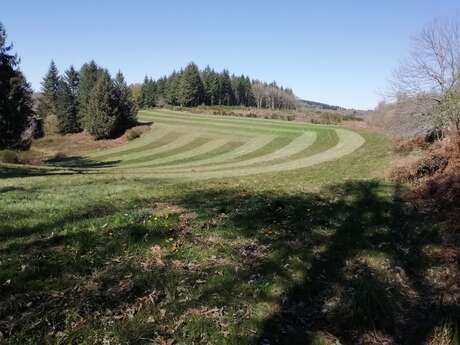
(318, 105)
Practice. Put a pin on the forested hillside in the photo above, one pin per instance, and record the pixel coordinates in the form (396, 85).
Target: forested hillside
(192, 87)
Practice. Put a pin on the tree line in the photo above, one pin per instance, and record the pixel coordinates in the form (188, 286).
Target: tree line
(87, 100)
(91, 100)
(191, 87)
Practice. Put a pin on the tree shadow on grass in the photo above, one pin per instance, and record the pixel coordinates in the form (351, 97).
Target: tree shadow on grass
(16, 171)
(349, 261)
(74, 165)
(64, 269)
(361, 252)
(81, 162)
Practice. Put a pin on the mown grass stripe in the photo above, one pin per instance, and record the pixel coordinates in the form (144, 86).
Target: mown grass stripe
(173, 141)
(250, 146)
(194, 151)
(148, 138)
(232, 126)
(232, 119)
(348, 142)
(178, 147)
(213, 154)
(298, 144)
(325, 140)
(155, 144)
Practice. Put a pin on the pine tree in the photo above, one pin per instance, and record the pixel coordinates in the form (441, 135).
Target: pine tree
(148, 93)
(191, 90)
(49, 89)
(72, 77)
(243, 91)
(66, 108)
(161, 91)
(103, 107)
(124, 98)
(226, 90)
(89, 73)
(15, 97)
(172, 89)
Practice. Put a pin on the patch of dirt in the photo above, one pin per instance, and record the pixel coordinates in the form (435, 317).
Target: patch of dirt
(155, 258)
(252, 253)
(163, 209)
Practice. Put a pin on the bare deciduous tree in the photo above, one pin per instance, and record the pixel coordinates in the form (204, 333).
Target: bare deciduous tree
(432, 72)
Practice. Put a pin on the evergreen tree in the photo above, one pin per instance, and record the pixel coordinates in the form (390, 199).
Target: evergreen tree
(162, 85)
(206, 77)
(15, 97)
(89, 73)
(172, 89)
(103, 107)
(72, 78)
(243, 91)
(226, 90)
(211, 83)
(148, 93)
(191, 90)
(66, 108)
(124, 98)
(50, 88)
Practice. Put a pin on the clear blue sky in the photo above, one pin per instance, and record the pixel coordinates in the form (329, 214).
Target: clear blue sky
(339, 52)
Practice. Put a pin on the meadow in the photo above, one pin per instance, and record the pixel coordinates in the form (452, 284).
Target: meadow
(216, 230)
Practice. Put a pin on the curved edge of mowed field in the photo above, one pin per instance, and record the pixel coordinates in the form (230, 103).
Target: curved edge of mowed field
(193, 147)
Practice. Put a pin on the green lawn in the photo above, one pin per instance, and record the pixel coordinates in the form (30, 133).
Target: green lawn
(212, 230)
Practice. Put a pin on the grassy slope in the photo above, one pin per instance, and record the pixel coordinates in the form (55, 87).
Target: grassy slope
(280, 257)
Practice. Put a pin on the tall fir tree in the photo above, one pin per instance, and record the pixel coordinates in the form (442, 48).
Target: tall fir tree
(66, 108)
(226, 90)
(72, 77)
(148, 93)
(161, 91)
(191, 90)
(103, 107)
(125, 104)
(15, 97)
(243, 91)
(50, 86)
(89, 73)
(172, 89)
(211, 86)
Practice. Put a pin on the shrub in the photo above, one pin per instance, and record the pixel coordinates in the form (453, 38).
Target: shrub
(405, 146)
(9, 156)
(401, 174)
(132, 134)
(429, 166)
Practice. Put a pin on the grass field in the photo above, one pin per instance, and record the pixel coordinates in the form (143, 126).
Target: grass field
(210, 230)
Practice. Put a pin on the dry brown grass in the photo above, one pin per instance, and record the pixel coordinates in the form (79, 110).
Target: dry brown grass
(442, 335)
(418, 162)
(406, 146)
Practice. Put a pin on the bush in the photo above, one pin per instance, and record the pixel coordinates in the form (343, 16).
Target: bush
(405, 146)
(132, 134)
(401, 174)
(9, 156)
(431, 165)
